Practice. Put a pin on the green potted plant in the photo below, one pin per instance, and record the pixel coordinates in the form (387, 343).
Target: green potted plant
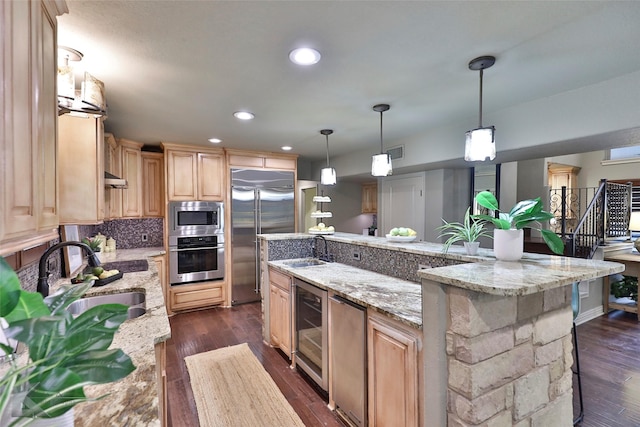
(64, 353)
(94, 244)
(468, 231)
(508, 235)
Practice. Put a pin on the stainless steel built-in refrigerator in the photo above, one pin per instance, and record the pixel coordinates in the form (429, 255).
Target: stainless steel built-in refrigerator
(261, 202)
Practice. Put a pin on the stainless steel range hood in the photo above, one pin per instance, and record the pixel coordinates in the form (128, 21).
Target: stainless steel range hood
(113, 181)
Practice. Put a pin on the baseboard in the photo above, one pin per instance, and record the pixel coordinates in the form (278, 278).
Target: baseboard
(589, 315)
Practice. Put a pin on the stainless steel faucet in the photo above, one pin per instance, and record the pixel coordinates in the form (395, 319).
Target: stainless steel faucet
(43, 276)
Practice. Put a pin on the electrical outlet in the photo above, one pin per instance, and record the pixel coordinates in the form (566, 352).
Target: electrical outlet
(145, 237)
(423, 266)
(356, 256)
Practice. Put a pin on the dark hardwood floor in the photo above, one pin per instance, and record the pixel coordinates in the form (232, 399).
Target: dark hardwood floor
(609, 360)
(205, 330)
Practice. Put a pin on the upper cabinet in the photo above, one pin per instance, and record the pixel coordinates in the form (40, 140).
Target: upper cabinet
(370, 197)
(261, 160)
(152, 184)
(113, 165)
(28, 185)
(81, 169)
(194, 173)
(132, 172)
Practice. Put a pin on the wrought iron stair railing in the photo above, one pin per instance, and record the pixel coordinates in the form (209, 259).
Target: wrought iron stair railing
(586, 217)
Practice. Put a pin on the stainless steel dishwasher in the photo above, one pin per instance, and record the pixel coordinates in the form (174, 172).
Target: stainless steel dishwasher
(348, 329)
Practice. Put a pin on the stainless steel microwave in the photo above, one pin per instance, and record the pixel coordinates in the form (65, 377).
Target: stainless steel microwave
(195, 218)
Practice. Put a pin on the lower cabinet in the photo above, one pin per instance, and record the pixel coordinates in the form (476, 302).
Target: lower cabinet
(280, 311)
(393, 372)
(161, 374)
(203, 294)
(161, 266)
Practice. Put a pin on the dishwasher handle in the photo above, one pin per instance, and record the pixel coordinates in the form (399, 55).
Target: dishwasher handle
(340, 300)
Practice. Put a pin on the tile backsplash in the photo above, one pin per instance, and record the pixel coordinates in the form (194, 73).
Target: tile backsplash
(128, 233)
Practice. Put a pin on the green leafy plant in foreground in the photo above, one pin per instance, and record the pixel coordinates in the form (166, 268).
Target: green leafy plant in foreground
(64, 353)
(469, 230)
(525, 214)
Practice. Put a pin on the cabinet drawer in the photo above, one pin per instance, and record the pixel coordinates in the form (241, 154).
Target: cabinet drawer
(279, 279)
(196, 296)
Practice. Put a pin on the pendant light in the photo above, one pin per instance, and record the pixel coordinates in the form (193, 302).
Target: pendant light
(480, 142)
(328, 174)
(381, 163)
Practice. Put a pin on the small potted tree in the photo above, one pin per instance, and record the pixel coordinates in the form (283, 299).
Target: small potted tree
(468, 231)
(508, 237)
(64, 353)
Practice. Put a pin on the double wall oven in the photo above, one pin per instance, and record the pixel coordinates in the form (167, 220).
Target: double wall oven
(196, 242)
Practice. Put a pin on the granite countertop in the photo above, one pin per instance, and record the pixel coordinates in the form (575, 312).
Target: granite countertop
(533, 274)
(134, 399)
(396, 298)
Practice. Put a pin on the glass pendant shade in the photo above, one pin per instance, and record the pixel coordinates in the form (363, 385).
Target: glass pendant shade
(480, 144)
(381, 165)
(328, 176)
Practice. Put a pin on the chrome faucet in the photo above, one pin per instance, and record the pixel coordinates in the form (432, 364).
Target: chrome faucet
(315, 251)
(43, 277)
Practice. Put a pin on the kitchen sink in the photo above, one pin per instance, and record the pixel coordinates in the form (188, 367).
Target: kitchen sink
(304, 263)
(135, 300)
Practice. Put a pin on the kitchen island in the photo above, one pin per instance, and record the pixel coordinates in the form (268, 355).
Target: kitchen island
(136, 399)
(496, 336)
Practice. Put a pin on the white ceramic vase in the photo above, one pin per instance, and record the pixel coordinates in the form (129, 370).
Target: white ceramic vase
(471, 247)
(508, 245)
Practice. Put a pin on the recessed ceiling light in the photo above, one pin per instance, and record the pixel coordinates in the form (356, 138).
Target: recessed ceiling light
(215, 140)
(304, 56)
(243, 115)
(286, 148)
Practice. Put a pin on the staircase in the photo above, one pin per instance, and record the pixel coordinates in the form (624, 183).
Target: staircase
(588, 218)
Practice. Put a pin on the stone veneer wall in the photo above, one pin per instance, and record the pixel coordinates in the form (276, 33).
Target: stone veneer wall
(402, 265)
(509, 359)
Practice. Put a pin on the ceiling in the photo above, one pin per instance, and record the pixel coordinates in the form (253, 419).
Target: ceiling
(176, 71)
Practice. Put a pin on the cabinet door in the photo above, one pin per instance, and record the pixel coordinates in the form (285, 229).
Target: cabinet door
(393, 375)
(81, 170)
(284, 307)
(182, 175)
(132, 172)
(152, 184)
(210, 176)
(275, 320)
(370, 198)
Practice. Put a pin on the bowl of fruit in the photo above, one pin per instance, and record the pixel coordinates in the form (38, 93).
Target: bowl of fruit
(99, 275)
(402, 234)
(321, 228)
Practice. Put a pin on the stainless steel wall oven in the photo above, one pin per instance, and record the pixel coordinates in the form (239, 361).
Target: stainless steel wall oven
(196, 242)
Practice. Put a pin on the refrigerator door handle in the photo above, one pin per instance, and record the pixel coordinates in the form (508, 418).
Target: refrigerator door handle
(258, 230)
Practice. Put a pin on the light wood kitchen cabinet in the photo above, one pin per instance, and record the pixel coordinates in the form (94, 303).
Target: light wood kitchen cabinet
(199, 295)
(81, 169)
(261, 160)
(194, 174)
(113, 165)
(370, 197)
(161, 265)
(280, 310)
(152, 184)
(161, 374)
(132, 172)
(28, 178)
(393, 372)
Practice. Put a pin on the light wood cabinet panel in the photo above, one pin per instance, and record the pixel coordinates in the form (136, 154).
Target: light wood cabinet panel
(81, 170)
(28, 185)
(161, 265)
(370, 197)
(279, 163)
(393, 373)
(161, 374)
(186, 297)
(113, 165)
(132, 172)
(182, 175)
(261, 160)
(152, 184)
(210, 176)
(280, 311)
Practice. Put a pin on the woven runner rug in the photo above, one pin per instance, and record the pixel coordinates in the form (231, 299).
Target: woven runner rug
(232, 388)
